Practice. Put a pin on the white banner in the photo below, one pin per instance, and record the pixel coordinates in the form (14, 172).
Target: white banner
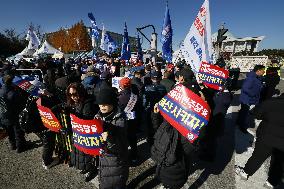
(197, 48)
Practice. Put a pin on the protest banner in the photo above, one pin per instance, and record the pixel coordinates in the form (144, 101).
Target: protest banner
(212, 76)
(48, 118)
(27, 86)
(87, 135)
(185, 111)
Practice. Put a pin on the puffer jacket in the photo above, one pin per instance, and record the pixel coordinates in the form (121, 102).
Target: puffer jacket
(113, 164)
(173, 169)
(251, 89)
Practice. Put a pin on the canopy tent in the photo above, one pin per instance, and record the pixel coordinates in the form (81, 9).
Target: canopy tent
(46, 48)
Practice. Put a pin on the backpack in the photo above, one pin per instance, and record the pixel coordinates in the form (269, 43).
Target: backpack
(29, 118)
(163, 151)
(4, 111)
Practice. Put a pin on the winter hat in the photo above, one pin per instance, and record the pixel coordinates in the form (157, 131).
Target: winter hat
(107, 96)
(125, 82)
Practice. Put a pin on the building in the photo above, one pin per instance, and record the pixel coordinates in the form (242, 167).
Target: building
(233, 45)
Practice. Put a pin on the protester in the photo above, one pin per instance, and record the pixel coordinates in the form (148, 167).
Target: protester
(167, 82)
(14, 101)
(129, 103)
(113, 166)
(84, 107)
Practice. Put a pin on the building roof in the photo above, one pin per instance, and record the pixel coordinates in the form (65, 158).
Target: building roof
(231, 37)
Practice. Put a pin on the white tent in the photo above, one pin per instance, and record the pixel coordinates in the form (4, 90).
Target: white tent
(46, 48)
(58, 55)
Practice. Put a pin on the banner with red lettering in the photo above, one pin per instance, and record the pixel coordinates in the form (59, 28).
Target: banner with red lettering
(213, 76)
(48, 118)
(87, 135)
(185, 111)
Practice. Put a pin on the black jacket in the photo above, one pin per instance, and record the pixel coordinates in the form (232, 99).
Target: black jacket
(271, 128)
(15, 100)
(113, 166)
(87, 110)
(173, 162)
(168, 84)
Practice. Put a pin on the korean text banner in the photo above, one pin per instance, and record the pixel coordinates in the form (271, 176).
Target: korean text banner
(27, 86)
(48, 118)
(197, 45)
(87, 135)
(185, 111)
(213, 76)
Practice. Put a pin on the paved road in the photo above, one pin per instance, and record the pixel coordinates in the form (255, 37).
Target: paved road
(24, 171)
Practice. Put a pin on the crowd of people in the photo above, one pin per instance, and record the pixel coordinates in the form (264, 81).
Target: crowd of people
(84, 88)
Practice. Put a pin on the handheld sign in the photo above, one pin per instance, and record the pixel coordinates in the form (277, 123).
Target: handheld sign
(48, 118)
(213, 76)
(185, 111)
(87, 135)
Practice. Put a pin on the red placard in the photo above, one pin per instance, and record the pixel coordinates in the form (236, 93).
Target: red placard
(213, 76)
(87, 135)
(185, 111)
(48, 118)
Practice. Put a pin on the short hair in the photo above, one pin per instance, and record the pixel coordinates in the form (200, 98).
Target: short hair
(258, 67)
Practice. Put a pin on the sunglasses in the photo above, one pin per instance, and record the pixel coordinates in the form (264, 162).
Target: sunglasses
(73, 94)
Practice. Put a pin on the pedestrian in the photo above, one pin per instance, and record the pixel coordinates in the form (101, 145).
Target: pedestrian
(250, 95)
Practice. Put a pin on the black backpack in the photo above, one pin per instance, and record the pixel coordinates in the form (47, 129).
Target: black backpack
(163, 151)
(4, 111)
(29, 118)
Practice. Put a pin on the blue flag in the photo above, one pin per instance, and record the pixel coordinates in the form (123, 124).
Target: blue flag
(125, 50)
(166, 38)
(95, 31)
(139, 49)
(107, 43)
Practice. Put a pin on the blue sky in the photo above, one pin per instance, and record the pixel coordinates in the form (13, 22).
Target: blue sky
(243, 18)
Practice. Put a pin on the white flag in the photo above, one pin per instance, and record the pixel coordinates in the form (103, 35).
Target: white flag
(197, 48)
(33, 39)
(103, 45)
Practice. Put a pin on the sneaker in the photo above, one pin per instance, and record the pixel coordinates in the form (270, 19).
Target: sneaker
(240, 171)
(52, 164)
(268, 185)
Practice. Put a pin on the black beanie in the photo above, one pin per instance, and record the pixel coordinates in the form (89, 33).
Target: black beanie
(107, 96)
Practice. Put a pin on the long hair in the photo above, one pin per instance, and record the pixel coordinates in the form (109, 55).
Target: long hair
(82, 93)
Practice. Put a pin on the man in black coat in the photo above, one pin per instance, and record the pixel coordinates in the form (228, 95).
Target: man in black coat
(269, 135)
(167, 82)
(131, 105)
(15, 103)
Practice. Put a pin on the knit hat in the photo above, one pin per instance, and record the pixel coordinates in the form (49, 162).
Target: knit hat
(125, 82)
(107, 96)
